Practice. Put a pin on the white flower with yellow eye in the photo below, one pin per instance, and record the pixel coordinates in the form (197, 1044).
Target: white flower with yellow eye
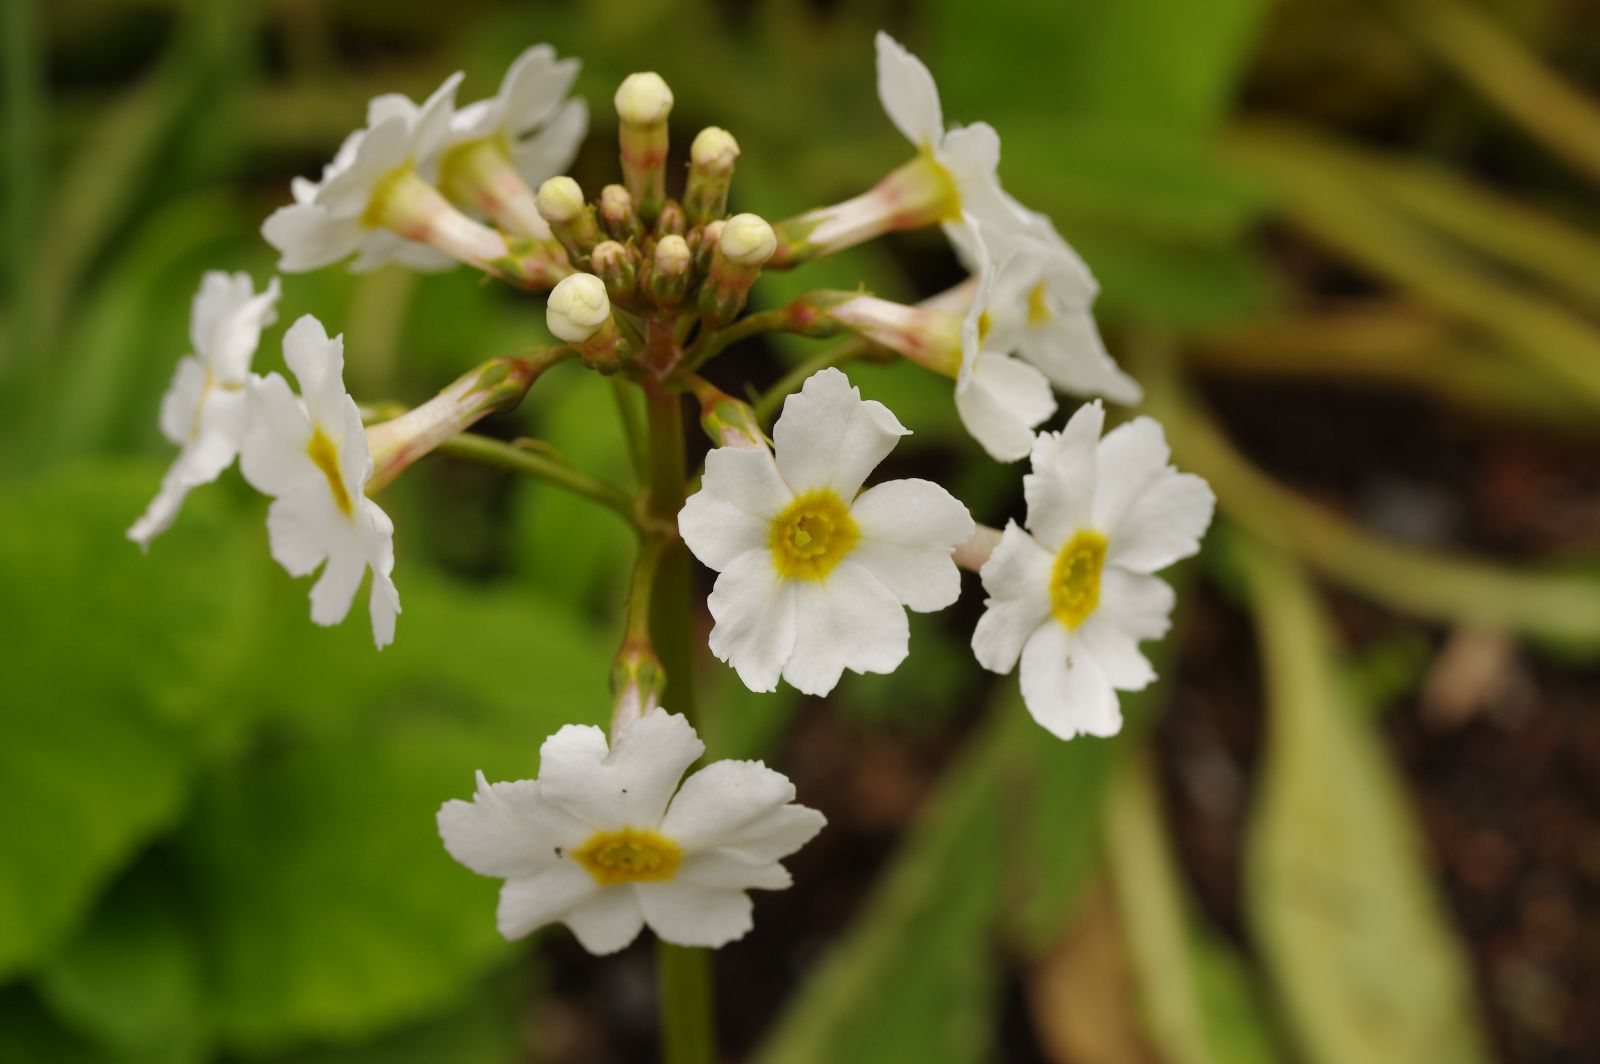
(1073, 595)
(816, 578)
(1041, 305)
(605, 841)
(531, 121)
(310, 454)
(204, 411)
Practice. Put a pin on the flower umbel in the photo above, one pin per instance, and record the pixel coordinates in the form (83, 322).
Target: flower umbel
(606, 841)
(203, 411)
(816, 578)
(1074, 595)
(310, 454)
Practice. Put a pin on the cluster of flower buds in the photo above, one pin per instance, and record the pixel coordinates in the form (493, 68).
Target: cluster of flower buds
(816, 571)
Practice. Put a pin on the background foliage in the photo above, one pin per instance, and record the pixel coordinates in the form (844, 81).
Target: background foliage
(217, 837)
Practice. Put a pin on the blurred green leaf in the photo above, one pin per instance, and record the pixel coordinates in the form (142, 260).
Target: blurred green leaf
(28, 1034)
(109, 654)
(1198, 1002)
(915, 978)
(1338, 889)
(132, 977)
(1166, 64)
(484, 1031)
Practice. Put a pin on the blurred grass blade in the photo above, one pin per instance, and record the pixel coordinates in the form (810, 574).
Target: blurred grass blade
(24, 106)
(1534, 242)
(1342, 213)
(1198, 1003)
(1510, 77)
(1338, 890)
(1560, 606)
(1393, 343)
(914, 978)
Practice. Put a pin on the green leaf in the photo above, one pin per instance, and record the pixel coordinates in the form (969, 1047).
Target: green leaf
(1198, 1003)
(132, 977)
(1338, 890)
(329, 906)
(108, 654)
(915, 978)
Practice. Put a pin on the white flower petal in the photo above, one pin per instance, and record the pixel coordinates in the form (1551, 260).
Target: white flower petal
(909, 529)
(318, 364)
(1069, 350)
(1130, 458)
(1115, 652)
(688, 915)
(1017, 578)
(1163, 524)
(180, 406)
(300, 528)
(909, 94)
(847, 621)
(971, 155)
(553, 893)
(828, 437)
(383, 604)
(226, 320)
(740, 493)
(1004, 400)
(721, 871)
(608, 921)
(335, 589)
(722, 799)
(630, 785)
(774, 836)
(508, 829)
(1138, 604)
(1064, 687)
(307, 237)
(163, 509)
(534, 86)
(432, 124)
(755, 619)
(273, 458)
(381, 247)
(550, 151)
(1061, 489)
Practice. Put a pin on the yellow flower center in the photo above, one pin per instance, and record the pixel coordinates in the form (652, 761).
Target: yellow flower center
(811, 536)
(1075, 580)
(985, 323)
(1039, 310)
(326, 457)
(379, 203)
(629, 855)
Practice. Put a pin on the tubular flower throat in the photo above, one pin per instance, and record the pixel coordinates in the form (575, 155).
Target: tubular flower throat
(326, 457)
(1075, 579)
(812, 535)
(629, 855)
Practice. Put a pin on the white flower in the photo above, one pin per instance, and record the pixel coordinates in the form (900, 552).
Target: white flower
(310, 454)
(815, 578)
(1073, 595)
(1041, 305)
(1000, 399)
(203, 411)
(531, 116)
(339, 216)
(601, 843)
(968, 157)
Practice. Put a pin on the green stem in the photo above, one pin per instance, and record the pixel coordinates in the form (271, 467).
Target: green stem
(632, 424)
(688, 1028)
(790, 383)
(546, 467)
(686, 1005)
(710, 344)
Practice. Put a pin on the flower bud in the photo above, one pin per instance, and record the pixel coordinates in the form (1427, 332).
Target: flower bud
(728, 422)
(747, 240)
(704, 243)
(618, 215)
(637, 680)
(745, 244)
(671, 271)
(560, 202)
(672, 220)
(579, 313)
(643, 99)
(643, 102)
(711, 159)
(614, 264)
